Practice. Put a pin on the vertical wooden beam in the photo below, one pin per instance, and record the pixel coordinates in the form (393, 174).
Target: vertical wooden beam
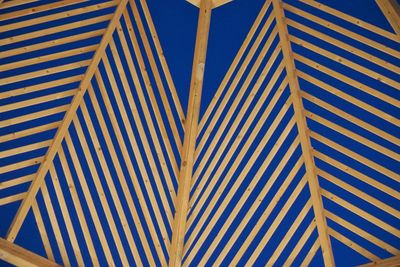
(19, 256)
(189, 143)
(303, 134)
(63, 129)
(391, 10)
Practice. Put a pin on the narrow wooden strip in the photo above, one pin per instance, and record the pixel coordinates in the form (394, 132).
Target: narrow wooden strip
(352, 20)
(356, 137)
(354, 155)
(42, 231)
(264, 191)
(300, 244)
(16, 181)
(235, 145)
(51, 43)
(21, 164)
(121, 176)
(229, 176)
(40, 87)
(233, 66)
(19, 256)
(391, 10)
(44, 72)
(346, 62)
(144, 139)
(361, 213)
(24, 149)
(158, 80)
(29, 131)
(341, 94)
(53, 30)
(389, 262)
(162, 58)
(358, 175)
(37, 100)
(49, 57)
(11, 199)
(311, 253)
(146, 110)
(105, 203)
(343, 31)
(289, 234)
(139, 159)
(44, 167)
(78, 207)
(89, 201)
(55, 225)
(360, 194)
(56, 16)
(271, 230)
(15, 3)
(30, 11)
(364, 234)
(243, 107)
(344, 115)
(33, 116)
(260, 57)
(303, 135)
(347, 47)
(364, 252)
(66, 216)
(189, 143)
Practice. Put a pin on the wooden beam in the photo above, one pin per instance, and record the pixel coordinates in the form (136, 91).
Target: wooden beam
(189, 144)
(390, 262)
(19, 256)
(63, 129)
(214, 3)
(391, 10)
(303, 134)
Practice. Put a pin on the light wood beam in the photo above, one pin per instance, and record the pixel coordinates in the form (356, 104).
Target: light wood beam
(191, 124)
(63, 129)
(214, 3)
(391, 10)
(303, 134)
(19, 256)
(390, 262)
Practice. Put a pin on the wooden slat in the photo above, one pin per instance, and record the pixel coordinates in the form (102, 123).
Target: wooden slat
(351, 19)
(391, 10)
(44, 167)
(214, 3)
(161, 57)
(19, 256)
(303, 135)
(189, 144)
(222, 87)
(390, 262)
(160, 86)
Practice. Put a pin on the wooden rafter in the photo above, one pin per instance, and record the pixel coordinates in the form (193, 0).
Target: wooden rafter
(390, 262)
(19, 256)
(189, 144)
(63, 129)
(303, 135)
(391, 10)
(214, 3)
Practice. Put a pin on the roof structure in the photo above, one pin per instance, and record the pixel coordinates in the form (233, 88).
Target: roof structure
(199, 132)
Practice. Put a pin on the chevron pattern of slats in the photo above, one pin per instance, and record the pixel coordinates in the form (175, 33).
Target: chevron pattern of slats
(91, 131)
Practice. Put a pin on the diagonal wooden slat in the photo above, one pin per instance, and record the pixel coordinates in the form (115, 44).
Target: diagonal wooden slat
(390, 262)
(391, 10)
(19, 256)
(303, 134)
(62, 130)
